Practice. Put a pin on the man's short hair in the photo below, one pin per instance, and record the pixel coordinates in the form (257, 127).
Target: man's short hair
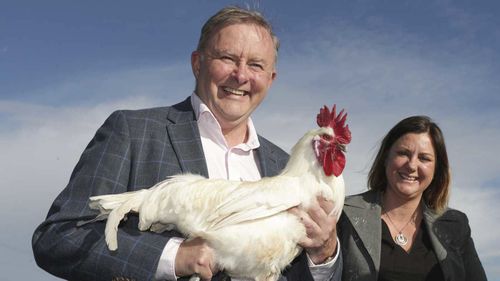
(234, 15)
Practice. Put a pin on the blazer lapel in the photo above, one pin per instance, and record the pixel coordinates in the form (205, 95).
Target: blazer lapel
(430, 219)
(267, 160)
(185, 138)
(364, 213)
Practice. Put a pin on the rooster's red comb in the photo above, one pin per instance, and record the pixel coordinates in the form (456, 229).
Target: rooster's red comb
(326, 118)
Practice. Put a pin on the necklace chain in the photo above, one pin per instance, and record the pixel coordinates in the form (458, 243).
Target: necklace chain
(400, 238)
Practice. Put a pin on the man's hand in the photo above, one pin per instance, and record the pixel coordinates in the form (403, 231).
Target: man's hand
(321, 229)
(195, 257)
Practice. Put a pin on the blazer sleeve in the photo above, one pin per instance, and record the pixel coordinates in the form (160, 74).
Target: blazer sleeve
(461, 261)
(473, 268)
(80, 253)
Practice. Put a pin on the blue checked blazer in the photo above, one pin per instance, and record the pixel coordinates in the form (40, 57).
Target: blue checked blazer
(131, 150)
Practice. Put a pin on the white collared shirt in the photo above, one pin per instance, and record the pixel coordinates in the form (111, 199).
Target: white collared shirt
(224, 162)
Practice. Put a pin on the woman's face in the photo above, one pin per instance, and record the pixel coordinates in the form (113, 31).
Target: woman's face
(410, 165)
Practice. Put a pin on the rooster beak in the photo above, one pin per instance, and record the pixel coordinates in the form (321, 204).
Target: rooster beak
(341, 147)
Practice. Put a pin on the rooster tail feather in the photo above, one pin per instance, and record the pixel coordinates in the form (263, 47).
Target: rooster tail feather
(116, 206)
(107, 203)
(100, 217)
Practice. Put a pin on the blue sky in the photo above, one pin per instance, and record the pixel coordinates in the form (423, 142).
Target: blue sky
(66, 65)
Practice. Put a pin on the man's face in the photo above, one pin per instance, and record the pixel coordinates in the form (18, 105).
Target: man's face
(234, 72)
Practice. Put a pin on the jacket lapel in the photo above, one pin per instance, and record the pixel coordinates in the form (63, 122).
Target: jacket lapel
(267, 159)
(430, 219)
(185, 138)
(364, 213)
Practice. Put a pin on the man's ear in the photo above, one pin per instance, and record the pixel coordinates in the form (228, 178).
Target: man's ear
(273, 77)
(195, 63)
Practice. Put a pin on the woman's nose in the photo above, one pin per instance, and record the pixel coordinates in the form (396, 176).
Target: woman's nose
(413, 163)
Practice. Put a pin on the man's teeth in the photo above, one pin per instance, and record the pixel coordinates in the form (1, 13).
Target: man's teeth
(408, 178)
(234, 91)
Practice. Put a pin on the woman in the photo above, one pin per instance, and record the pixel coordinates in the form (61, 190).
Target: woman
(401, 229)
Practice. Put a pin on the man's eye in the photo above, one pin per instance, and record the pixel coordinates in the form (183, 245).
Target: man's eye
(226, 58)
(257, 66)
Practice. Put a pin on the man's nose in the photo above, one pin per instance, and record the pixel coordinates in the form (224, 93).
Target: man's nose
(241, 73)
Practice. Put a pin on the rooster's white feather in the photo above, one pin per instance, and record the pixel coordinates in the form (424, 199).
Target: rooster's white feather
(246, 223)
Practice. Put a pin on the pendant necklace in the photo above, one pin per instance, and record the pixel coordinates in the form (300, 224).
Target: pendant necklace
(400, 238)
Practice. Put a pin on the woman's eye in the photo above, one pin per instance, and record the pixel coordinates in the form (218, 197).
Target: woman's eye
(425, 159)
(402, 153)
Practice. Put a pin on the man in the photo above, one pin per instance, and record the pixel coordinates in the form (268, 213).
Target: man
(211, 134)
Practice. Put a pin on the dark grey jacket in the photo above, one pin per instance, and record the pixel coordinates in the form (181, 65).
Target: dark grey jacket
(360, 234)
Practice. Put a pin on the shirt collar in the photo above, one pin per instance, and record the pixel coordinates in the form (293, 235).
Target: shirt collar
(204, 115)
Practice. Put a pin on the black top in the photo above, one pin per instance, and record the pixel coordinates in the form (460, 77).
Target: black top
(420, 263)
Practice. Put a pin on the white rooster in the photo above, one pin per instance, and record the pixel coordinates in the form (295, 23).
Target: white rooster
(234, 217)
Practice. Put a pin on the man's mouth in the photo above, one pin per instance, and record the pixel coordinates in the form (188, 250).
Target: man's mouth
(235, 91)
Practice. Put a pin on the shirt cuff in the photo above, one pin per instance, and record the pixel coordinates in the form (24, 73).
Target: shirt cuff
(166, 265)
(325, 270)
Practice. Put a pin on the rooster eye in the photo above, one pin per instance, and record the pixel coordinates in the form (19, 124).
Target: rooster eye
(327, 137)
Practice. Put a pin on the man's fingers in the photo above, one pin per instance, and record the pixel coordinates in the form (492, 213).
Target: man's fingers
(326, 205)
(195, 257)
(301, 215)
(320, 212)
(320, 225)
(204, 273)
(204, 267)
(295, 211)
(317, 214)
(306, 242)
